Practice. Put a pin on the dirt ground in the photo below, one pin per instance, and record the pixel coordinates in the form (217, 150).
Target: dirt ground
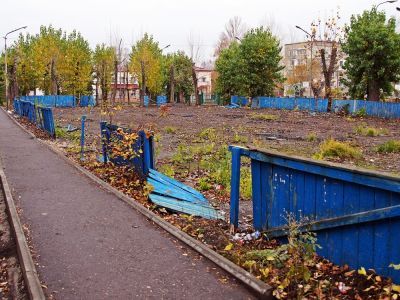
(292, 132)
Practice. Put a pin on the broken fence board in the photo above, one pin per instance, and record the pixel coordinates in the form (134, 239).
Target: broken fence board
(185, 207)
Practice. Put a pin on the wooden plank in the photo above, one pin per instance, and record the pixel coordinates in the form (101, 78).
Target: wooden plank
(335, 240)
(185, 207)
(171, 191)
(168, 180)
(351, 199)
(366, 231)
(266, 187)
(332, 170)
(353, 219)
(257, 183)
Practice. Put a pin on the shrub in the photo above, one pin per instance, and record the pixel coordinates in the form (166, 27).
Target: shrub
(363, 129)
(391, 146)
(264, 117)
(208, 134)
(362, 112)
(170, 130)
(336, 149)
(204, 185)
(311, 137)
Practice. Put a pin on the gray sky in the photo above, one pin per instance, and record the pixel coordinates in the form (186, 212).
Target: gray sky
(173, 21)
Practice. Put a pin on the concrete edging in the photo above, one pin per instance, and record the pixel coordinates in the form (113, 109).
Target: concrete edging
(263, 290)
(30, 274)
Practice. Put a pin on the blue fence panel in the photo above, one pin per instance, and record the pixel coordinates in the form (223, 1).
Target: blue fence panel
(143, 147)
(161, 100)
(39, 115)
(372, 108)
(86, 101)
(310, 104)
(146, 101)
(355, 212)
(51, 100)
(239, 100)
(47, 120)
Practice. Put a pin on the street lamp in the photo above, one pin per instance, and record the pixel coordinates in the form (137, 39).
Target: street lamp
(5, 60)
(389, 1)
(311, 54)
(165, 47)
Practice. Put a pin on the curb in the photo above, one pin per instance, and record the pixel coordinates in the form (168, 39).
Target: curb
(263, 290)
(24, 255)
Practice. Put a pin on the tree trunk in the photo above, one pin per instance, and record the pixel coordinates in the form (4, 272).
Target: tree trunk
(328, 72)
(127, 85)
(172, 85)
(143, 89)
(53, 78)
(196, 92)
(373, 90)
(114, 94)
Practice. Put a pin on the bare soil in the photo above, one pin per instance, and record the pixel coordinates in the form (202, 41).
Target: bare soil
(289, 133)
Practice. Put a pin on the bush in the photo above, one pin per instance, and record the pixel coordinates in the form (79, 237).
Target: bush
(311, 137)
(363, 129)
(335, 149)
(391, 146)
(170, 130)
(362, 112)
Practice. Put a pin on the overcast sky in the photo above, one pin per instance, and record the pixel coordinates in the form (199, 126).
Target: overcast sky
(173, 21)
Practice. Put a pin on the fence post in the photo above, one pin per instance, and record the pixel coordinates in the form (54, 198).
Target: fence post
(103, 131)
(83, 119)
(235, 188)
(146, 154)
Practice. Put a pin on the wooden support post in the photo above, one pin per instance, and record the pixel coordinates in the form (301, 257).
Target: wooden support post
(83, 119)
(146, 154)
(103, 131)
(235, 188)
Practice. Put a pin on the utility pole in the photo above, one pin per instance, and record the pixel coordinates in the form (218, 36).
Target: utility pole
(5, 62)
(311, 55)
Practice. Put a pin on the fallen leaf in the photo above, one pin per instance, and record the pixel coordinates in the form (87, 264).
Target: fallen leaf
(362, 271)
(228, 247)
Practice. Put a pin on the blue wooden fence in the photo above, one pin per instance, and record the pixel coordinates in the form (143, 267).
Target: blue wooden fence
(143, 147)
(355, 212)
(41, 116)
(371, 108)
(310, 104)
(51, 100)
(161, 100)
(239, 100)
(86, 101)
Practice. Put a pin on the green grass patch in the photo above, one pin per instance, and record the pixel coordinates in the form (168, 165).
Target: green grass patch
(311, 137)
(391, 146)
(334, 149)
(170, 130)
(62, 133)
(237, 138)
(263, 117)
(364, 130)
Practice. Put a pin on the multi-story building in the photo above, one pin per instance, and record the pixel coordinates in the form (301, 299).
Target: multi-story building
(300, 72)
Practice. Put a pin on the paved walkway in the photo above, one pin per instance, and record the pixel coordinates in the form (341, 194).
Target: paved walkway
(90, 244)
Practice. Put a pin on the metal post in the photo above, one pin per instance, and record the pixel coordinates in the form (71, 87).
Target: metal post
(5, 58)
(5, 69)
(235, 188)
(104, 140)
(83, 119)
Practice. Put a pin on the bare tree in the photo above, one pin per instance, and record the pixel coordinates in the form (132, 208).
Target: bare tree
(194, 51)
(234, 29)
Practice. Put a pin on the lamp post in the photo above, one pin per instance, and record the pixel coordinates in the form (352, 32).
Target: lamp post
(389, 1)
(5, 60)
(311, 54)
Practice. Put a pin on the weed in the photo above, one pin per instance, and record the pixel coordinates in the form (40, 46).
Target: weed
(167, 170)
(239, 138)
(208, 134)
(170, 130)
(263, 117)
(73, 136)
(363, 129)
(362, 112)
(311, 137)
(335, 149)
(391, 146)
(204, 185)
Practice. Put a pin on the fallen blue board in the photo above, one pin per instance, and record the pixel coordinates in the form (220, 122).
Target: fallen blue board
(176, 196)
